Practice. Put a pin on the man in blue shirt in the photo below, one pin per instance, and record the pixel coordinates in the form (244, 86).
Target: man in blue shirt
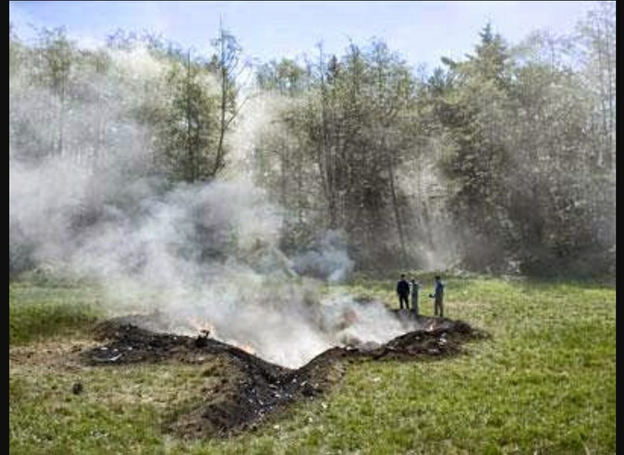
(438, 296)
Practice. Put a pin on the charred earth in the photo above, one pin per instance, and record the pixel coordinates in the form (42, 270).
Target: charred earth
(254, 389)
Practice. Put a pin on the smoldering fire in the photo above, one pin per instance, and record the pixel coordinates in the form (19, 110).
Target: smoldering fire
(205, 252)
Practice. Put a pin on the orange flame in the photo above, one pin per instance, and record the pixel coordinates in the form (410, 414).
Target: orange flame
(205, 328)
(247, 348)
(202, 326)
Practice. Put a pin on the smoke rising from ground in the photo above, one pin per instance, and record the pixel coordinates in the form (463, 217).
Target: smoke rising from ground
(204, 256)
(327, 258)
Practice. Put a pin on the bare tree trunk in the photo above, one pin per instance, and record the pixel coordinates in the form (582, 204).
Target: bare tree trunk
(223, 107)
(62, 120)
(610, 93)
(300, 204)
(189, 170)
(324, 152)
(397, 211)
(283, 174)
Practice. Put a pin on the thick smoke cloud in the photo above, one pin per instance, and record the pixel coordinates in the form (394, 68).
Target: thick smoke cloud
(327, 258)
(203, 256)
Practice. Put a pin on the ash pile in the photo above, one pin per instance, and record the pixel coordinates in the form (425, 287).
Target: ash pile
(254, 389)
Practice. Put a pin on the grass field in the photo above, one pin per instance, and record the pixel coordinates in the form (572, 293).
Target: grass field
(544, 383)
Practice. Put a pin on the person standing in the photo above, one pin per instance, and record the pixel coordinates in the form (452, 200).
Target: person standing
(438, 296)
(403, 290)
(415, 289)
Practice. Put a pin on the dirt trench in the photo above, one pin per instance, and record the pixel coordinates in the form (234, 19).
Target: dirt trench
(257, 389)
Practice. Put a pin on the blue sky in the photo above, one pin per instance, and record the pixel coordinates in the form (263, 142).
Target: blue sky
(421, 31)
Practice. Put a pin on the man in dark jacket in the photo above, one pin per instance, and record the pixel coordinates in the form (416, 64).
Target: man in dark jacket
(403, 289)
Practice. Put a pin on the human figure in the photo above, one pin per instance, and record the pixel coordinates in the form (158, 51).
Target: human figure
(403, 289)
(415, 289)
(438, 296)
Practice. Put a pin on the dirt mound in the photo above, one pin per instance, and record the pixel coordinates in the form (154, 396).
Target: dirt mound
(257, 388)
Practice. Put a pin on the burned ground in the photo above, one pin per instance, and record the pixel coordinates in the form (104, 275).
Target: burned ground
(255, 389)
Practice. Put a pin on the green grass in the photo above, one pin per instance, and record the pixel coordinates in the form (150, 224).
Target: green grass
(36, 312)
(120, 410)
(544, 383)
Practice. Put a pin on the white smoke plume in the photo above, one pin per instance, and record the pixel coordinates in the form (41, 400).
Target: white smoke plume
(201, 255)
(327, 258)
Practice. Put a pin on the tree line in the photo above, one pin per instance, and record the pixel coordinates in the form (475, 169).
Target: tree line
(503, 161)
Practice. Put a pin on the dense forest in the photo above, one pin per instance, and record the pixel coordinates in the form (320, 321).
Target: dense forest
(502, 161)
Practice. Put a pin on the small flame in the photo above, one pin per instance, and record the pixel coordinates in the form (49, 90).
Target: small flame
(202, 327)
(247, 348)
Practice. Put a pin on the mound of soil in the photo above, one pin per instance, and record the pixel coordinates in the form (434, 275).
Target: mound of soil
(257, 388)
